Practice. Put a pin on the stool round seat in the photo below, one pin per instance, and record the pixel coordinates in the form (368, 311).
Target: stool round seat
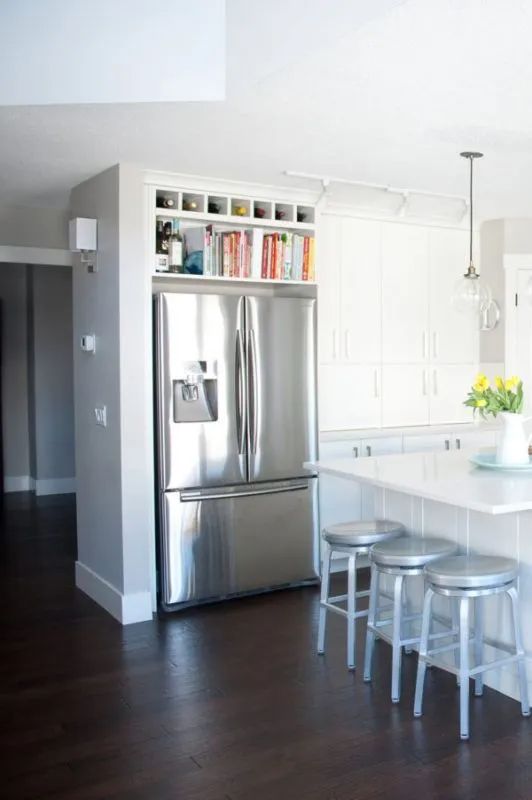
(472, 572)
(411, 552)
(362, 533)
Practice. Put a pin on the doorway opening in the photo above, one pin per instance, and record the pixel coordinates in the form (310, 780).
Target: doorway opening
(37, 379)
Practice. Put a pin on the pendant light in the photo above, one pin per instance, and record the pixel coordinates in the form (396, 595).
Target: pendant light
(470, 294)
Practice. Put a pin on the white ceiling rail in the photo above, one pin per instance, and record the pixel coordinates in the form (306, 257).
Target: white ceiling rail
(404, 194)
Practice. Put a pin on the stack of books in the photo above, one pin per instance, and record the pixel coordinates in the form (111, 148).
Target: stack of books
(251, 253)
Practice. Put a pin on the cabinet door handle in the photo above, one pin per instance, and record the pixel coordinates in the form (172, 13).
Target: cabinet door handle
(334, 343)
(346, 342)
(376, 391)
(435, 381)
(355, 452)
(447, 444)
(424, 344)
(368, 449)
(424, 382)
(458, 444)
(435, 344)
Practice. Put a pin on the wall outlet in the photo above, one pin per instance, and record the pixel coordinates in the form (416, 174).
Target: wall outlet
(100, 412)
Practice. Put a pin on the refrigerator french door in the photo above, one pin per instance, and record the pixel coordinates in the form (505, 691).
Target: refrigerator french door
(236, 419)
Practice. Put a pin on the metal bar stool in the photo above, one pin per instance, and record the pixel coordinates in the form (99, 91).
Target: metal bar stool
(465, 578)
(402, 558)
(352, 539)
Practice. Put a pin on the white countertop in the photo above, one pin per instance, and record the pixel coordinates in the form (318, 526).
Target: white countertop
(446, 477)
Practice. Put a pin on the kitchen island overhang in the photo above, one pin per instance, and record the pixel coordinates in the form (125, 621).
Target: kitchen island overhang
(483, 511)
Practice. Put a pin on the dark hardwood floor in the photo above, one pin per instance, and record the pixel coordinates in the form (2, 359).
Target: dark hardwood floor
(225, 702)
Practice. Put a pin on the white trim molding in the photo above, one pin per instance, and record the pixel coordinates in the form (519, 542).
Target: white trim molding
(18, 483)
(126, 608)
(55, 486)
(35, 255)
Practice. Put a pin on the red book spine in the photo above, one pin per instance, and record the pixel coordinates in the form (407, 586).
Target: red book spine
(273, 259)
(264, 266)
(232, 257)
(305, 258)
(226, 256)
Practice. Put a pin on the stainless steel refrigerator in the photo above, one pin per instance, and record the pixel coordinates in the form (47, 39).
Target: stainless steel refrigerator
(236, 419)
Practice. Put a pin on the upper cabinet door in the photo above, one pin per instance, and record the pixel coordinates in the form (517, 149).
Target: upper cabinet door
(454, 337)
(405, 254)
(328, 258)
(360, 291)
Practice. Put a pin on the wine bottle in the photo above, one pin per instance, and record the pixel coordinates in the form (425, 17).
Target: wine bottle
(165, 202)
(175, 250)
(159, 238)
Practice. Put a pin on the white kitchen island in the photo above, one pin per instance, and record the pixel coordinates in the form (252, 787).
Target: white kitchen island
(483, 511)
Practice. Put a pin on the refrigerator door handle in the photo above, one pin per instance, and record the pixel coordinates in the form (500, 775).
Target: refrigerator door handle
(194, 496)
(240, 393)
(253, 391)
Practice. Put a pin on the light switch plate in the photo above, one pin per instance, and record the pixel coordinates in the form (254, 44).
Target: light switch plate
(100, 412)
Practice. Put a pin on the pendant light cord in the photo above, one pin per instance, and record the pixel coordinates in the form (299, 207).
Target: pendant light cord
(471, 210)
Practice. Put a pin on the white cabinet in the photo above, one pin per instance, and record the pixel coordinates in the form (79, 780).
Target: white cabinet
(454, 337)
(448, 385)
(474, 439)
(392, 350)
(349, 396)
(405, 395)
(427, 442)
(360, 291)
(328, 259)
(339, 499)
(405, 283)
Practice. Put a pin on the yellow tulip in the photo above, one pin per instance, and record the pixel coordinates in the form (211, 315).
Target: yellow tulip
(499, 383)
(481, 383)
(481, 403)
(511, 383)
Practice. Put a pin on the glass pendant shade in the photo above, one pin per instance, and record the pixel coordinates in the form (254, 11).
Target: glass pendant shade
(471, 295)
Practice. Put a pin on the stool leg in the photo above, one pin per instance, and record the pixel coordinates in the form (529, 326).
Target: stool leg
(464, 667)
(406, 607)
(479, 644)
(372, 617)
(455, 622)
(324, 596)
(423, 649)
(396, 638)
(351, 610)
(519, 649)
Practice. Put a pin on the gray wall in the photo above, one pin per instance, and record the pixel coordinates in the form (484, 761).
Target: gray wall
(51, 367)
(14, 373)
(114, 465)
(33, 227)
(500, 237)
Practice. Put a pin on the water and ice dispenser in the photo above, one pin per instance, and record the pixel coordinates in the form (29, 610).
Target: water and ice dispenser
(196, 392)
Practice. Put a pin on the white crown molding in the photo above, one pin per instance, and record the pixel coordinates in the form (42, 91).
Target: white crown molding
(204, 183)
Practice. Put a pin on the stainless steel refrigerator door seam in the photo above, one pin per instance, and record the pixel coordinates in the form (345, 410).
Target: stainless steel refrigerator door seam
(240, 392)
(252, 391)
(188, 497)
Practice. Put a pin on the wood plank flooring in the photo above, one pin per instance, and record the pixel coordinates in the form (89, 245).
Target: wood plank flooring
(225, 702)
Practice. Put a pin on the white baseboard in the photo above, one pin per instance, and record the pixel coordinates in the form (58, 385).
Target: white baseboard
(126, 608)
(25, 483)
(55, 486)
(18, 483)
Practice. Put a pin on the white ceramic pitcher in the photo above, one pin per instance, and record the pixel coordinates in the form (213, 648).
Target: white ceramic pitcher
(513, 439)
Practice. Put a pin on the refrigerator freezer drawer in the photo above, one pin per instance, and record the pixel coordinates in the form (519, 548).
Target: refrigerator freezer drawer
(236, 540)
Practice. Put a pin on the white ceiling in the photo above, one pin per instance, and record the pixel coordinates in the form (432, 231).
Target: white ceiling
(383, 91)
